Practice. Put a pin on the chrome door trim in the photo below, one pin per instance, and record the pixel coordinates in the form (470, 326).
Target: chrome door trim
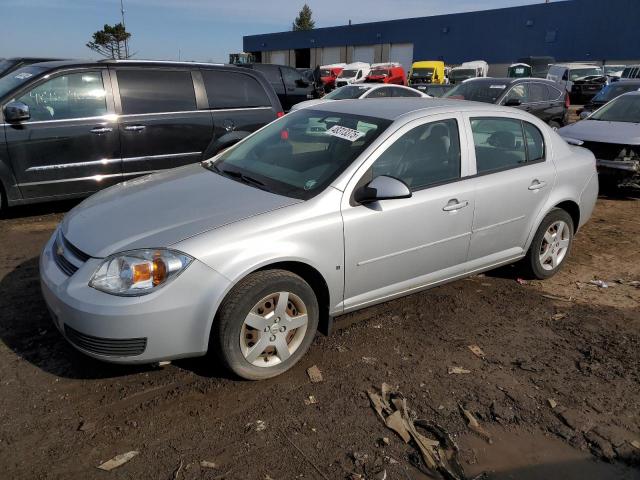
(104, 161)
(96, 178)
(165, 155)
(137, 115)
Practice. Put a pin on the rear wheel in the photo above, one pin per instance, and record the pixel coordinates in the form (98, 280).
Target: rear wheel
(266, 324)
(551, 244)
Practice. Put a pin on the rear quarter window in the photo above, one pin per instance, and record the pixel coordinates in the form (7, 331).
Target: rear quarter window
(234, 90)
(156, 91)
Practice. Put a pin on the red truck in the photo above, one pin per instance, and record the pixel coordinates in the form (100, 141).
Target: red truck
(329, 73)
(387, 73)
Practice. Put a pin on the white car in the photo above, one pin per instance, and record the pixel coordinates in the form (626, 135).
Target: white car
(361, 91)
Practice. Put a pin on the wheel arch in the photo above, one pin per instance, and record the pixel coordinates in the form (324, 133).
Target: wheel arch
(568, 205)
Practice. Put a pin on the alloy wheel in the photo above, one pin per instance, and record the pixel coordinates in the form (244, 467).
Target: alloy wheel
(555, 245)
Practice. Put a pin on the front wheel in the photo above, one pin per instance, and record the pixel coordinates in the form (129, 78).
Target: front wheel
(551, 244)
(266, 324)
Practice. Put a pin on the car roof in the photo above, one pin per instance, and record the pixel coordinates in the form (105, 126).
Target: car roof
(134, 63)
(394, 108)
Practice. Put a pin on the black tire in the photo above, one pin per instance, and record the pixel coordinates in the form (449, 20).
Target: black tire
(555, 125)
(532, 260)
(227, 327)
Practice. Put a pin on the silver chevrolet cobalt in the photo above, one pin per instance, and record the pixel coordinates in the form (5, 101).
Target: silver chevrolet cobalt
(322, 212)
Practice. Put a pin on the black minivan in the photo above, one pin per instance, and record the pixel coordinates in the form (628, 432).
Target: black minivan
(71, 128)
(288, 83)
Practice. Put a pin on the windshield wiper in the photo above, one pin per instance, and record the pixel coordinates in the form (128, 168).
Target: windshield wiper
(240, 176)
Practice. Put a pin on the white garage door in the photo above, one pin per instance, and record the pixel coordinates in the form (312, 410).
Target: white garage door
(330, 55)
(279, 57)
(364, 53)
(402, 53)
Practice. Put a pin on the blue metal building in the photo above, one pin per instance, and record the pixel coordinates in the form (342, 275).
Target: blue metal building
(571, 30)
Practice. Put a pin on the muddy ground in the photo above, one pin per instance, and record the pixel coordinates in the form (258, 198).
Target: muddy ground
(558, 389)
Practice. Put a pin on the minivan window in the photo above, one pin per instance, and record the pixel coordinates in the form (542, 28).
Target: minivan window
(426, 155)
(300, 154)
(233, 90)
(74, 95)
(499, 143)
(156, 91)
(19, 77)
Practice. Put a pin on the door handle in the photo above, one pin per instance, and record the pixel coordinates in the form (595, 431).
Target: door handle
(134, 128)
(99, 130)
(537, 185)
(454, 204)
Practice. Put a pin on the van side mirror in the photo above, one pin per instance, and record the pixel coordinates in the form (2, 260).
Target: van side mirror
(16, 112)
(382, 188)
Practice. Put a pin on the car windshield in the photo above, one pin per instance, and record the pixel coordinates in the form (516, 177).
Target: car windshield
(611, 69)
(348, 73)
(487, 92)
(623, 109)
(614, 90)
(577, 73)
(422, 72)
(346, 92)
(464, 73)
(301, 154)
(17, 78)
(378, 72)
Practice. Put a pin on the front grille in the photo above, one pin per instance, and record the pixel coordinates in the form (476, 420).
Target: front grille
(112, 347)
(67, 257)
(611, 151)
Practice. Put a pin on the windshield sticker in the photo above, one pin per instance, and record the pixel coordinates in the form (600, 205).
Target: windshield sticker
(309, 184)
(23, 76)
(345, 133)
(498, 86)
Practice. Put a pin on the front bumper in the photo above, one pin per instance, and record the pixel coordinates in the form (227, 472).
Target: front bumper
(173, 322)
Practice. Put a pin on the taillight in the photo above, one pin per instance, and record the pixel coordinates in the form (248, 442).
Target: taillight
(280, 114)
(567, 100)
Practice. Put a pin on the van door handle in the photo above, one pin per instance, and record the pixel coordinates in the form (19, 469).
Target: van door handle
(454, 204)
(537, 185)
(134, 128)
(99, 130)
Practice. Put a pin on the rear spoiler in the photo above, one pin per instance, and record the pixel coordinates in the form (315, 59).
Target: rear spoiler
(573, 141)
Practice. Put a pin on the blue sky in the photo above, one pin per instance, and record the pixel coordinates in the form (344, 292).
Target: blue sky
(202, 30)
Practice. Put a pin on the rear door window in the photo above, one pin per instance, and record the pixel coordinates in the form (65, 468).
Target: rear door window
(156, 91)
(538, 93)
(404, 92)
(233, 90)
(519, 91)
(379, 93)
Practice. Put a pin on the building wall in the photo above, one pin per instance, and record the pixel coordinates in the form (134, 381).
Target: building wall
(585, 30)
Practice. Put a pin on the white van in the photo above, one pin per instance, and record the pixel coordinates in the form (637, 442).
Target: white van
(474, 69)
(564, 74)
(353, 73)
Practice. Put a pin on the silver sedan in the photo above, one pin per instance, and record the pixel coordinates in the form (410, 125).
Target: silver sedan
(325, 211)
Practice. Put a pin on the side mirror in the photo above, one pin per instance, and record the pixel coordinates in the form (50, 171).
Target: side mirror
(584, 115)
(16, 112)
(382, 188)
(513, 102)
(301, 83)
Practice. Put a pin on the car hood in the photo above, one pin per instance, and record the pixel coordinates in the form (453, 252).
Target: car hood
(607, 132)
(162, 209)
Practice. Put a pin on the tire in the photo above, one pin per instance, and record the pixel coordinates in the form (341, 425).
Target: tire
(544, 259)
(555, 125)
(250, 323)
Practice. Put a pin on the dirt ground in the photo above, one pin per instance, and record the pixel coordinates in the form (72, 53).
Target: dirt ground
(558, 389)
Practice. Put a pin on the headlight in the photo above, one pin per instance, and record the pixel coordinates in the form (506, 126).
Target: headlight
(138, 272)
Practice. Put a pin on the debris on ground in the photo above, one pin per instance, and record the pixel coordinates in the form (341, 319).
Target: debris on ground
(439, 454)
(521, 281)
(552, 402)
(458, 370)
(315, 375)
(310, 400)
(599, 283)
(559, 316)
(177, 471)
(474, 425)
(635, 444)
(477, 351)
(207, 464)
(117, 461)
(86, 426)
(260, 425)
(369, 360)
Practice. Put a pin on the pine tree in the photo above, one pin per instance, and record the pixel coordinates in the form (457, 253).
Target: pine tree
(304, 21)
(111, 42)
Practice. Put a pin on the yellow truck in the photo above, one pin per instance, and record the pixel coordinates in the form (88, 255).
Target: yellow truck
(426, 73)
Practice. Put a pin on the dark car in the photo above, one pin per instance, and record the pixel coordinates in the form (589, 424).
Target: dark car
(584, 89)
(608, 93)
(288, 83)
(537, 96)
(309, 75)
(539, 65)
(71, 128)
(8, 65)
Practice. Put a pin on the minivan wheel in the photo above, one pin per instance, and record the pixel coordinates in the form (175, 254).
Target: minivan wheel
(551, 245)
(265, 324)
